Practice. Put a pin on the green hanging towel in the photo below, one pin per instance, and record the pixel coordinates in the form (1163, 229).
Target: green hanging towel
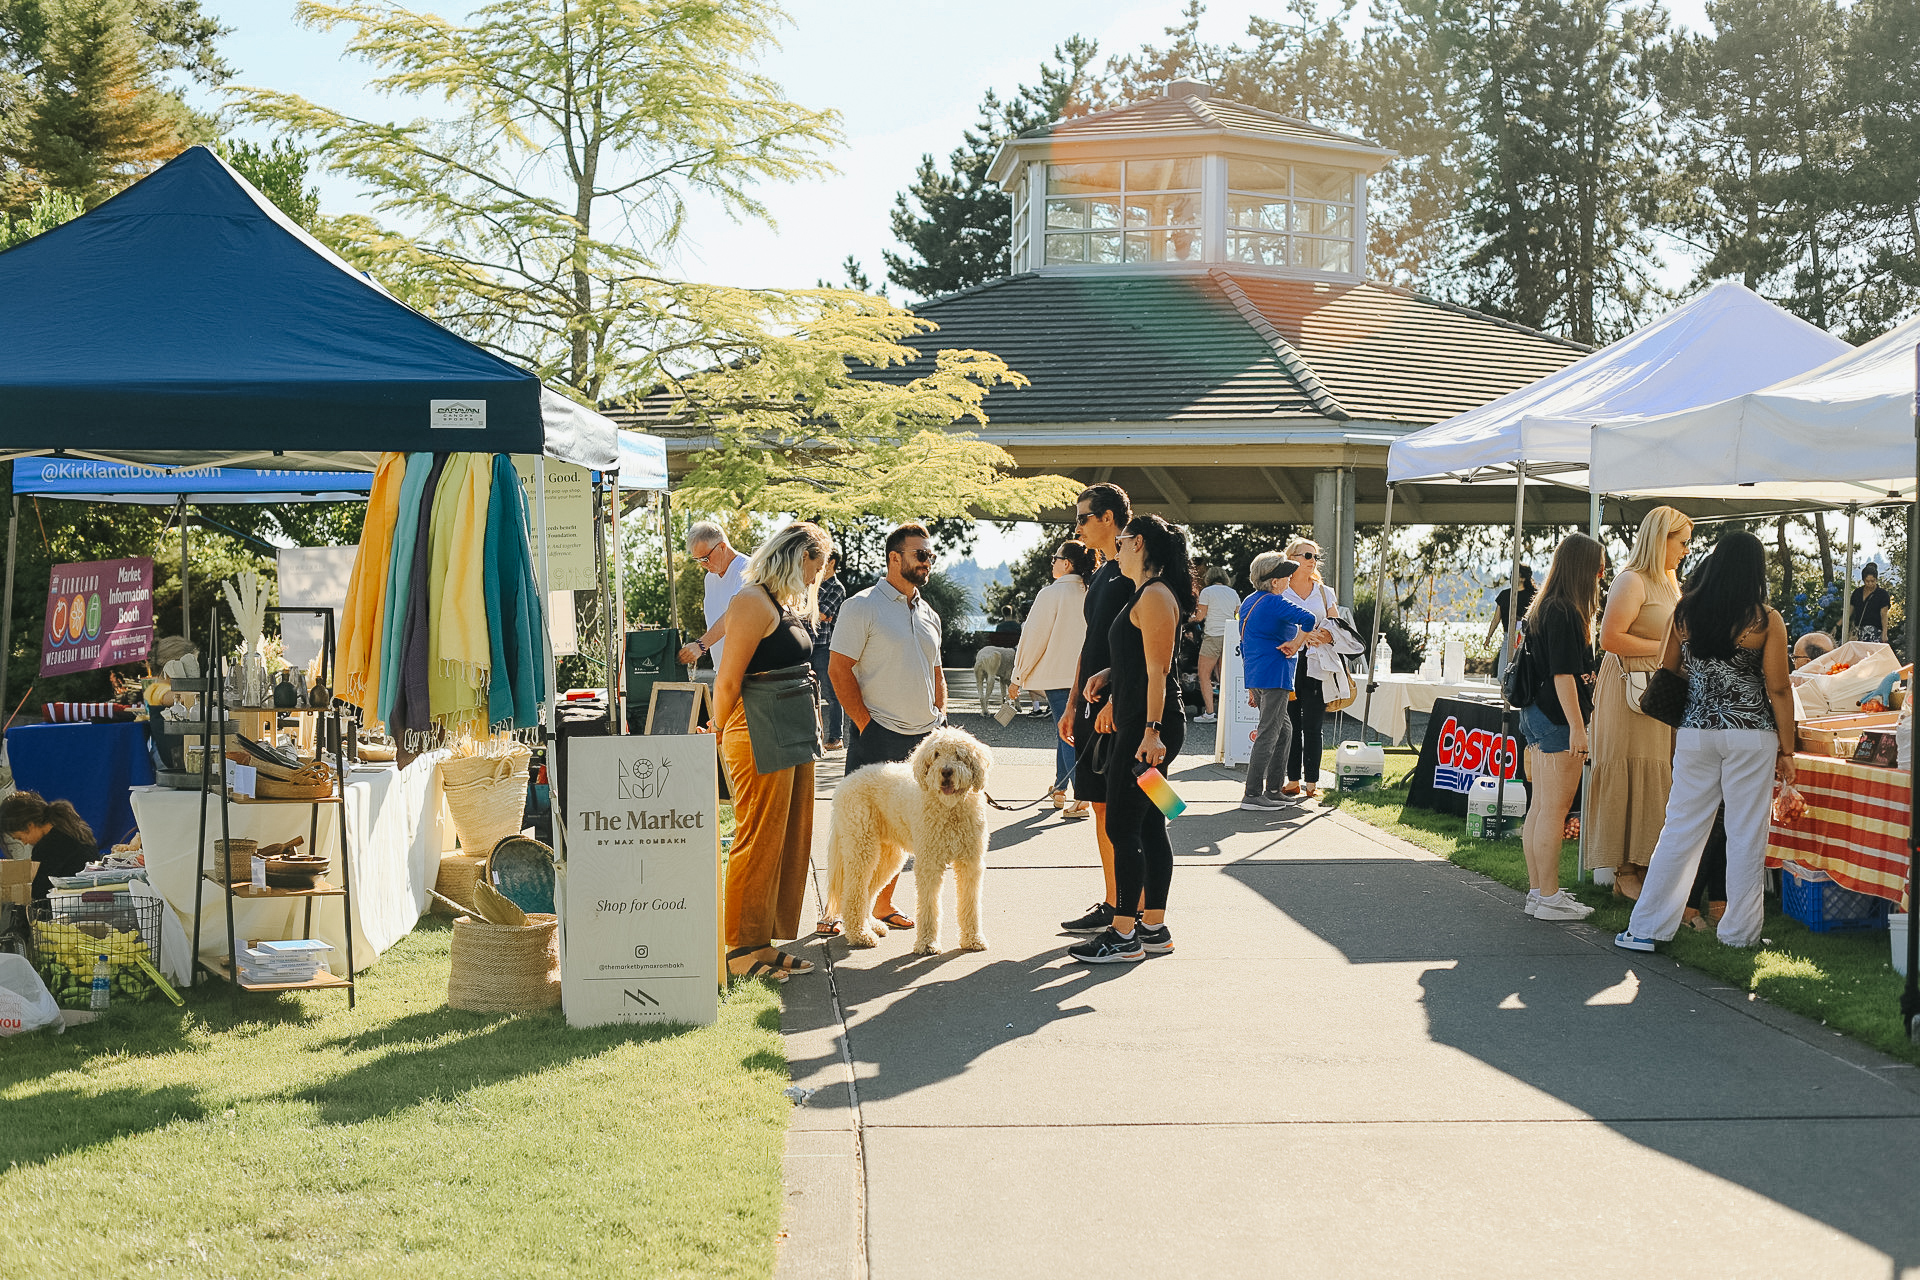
(518, 687)
(393, 621)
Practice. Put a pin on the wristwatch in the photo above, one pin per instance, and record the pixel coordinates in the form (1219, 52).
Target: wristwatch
(1154, 725)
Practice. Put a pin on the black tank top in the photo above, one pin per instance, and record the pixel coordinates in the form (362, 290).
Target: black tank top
(787, 645)
(1127, 654)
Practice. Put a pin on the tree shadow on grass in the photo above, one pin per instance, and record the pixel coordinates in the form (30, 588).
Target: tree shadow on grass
(47, 1124)
(504, 1047)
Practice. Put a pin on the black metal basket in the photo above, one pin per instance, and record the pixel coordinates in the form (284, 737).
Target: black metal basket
(71, 933)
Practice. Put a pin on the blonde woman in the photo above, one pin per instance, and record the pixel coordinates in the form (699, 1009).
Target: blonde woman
(1308, 709)
(768, 629)
(1049, 653)
(1632, 752)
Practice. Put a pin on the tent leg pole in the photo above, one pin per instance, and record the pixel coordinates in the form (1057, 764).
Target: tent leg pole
(1502, 766)
(186, 605)
(1379, 610)
(617, 614)
(549, 724)
(1910, 997)
(666, 542)
(1846, 614)
(6, 608)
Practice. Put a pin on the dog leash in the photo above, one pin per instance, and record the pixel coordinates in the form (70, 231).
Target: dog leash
(1059, 783)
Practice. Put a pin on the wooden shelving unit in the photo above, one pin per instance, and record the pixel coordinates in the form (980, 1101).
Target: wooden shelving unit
(331, 740)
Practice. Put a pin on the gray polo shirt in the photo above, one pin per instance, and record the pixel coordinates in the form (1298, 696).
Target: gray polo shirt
(896, 651)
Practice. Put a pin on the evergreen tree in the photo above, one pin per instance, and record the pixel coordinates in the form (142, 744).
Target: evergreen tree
(1879, 93)
(956, 225)
(99, 117)
(278, 172)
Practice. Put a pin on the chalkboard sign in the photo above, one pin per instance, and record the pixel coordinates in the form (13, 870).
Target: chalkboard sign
(675, 708)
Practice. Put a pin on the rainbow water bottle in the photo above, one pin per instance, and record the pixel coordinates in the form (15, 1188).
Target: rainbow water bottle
(1160, 791)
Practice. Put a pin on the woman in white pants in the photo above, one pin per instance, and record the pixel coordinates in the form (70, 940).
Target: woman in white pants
(1736, 739)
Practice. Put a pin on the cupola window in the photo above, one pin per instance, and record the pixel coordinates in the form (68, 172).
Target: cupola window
(1124, 211)
(1281, 215)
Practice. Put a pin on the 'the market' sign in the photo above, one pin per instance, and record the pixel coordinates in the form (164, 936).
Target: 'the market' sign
(98, 615)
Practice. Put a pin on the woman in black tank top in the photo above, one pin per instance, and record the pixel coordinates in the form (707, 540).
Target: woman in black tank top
(1148, 727)
(766, 630)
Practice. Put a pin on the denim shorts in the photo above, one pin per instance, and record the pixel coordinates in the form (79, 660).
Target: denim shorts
(1543, 733)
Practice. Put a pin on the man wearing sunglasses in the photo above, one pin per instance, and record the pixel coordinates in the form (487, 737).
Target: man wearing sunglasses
(707, 544)
(885, 669)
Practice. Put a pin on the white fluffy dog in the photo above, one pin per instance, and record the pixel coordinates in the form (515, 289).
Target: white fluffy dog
(935, 806)
(992, 666)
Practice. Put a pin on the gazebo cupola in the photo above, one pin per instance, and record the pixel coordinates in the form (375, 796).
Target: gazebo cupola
(1184, 182)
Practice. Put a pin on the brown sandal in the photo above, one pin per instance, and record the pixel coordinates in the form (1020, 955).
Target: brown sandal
(827, 929)
(778, 971)
(895, 920)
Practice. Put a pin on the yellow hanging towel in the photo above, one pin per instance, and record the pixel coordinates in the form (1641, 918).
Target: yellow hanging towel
(362, 621)
(457, 670)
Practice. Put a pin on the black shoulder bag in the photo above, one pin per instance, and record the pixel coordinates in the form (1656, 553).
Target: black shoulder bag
(1520, 686)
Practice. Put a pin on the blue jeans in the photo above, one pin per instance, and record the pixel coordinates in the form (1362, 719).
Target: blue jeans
(1543, 733)
(831, 715)
(1063, 756)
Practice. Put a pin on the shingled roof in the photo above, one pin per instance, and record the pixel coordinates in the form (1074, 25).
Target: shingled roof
(1220, 345)
(1189, 115)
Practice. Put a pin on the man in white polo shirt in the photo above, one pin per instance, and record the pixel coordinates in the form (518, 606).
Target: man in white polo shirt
(885, 663)
(707, 543)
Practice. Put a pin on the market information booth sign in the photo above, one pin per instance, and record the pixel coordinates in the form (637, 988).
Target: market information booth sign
(1463, 743)
(641, 911)
(98, 615)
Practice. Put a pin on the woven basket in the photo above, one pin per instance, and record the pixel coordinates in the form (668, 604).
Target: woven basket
(458, 873)
(487, 797)
(265, 788)
(499, 968)
(235, 857)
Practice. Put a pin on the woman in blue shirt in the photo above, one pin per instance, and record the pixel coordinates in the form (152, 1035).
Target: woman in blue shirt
(1271, 633)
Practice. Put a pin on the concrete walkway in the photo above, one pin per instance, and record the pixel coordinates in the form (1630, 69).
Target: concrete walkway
(1360, 1061)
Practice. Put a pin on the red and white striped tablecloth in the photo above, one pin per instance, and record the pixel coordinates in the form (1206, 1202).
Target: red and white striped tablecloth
(1855, 828)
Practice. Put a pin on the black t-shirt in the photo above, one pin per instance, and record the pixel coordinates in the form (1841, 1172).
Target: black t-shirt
(1561, 646)
(58, 854)
(1107, 595)
(1869, 610)
(1506, 594)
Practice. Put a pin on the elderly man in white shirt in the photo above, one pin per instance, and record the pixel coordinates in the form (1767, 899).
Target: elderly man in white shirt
(707, 543)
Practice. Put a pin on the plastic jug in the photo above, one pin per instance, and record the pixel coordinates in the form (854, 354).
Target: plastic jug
(1359, 765)
(1382, 657)
(1482, 824)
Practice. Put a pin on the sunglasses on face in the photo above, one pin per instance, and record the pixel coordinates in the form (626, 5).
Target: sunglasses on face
(705, 555)
(1081, 518)
(1308, 555)
(922, 556)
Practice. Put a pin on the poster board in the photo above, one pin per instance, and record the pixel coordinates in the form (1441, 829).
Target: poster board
(311, 578)
(640, 915)
(569, 522)
(1239, 723)
(675, 708)
(1463, 743)
(99, 615)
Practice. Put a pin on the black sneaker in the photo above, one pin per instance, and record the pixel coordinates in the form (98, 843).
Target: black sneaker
(1100, 917)
(1155, 942)
(1108, 948)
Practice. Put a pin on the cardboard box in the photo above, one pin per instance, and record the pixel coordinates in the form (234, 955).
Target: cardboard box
(1821, 737)
(16, 880)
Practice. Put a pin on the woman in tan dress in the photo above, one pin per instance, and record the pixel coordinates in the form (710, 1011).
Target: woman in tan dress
(1633, 752)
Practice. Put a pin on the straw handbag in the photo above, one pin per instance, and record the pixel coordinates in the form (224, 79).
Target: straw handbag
(487, 796)
(459, 872)
(499, 968)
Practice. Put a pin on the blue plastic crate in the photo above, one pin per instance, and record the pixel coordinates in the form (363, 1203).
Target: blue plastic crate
(1824, 907)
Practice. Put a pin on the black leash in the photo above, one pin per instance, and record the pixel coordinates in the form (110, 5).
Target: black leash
(1059, 784)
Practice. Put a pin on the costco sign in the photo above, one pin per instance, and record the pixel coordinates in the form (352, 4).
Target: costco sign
(1466, 754)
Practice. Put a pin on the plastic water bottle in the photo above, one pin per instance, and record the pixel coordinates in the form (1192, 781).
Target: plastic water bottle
(1382, 657)
(102, 977)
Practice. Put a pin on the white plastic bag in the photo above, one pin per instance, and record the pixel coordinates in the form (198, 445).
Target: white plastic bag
(1822, 694)
(25, 1002)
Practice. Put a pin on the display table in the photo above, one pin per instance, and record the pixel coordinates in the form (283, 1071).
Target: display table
(1855, 828)
(90, 765)
(399, 829)
(1399, 694)
(1463, 743)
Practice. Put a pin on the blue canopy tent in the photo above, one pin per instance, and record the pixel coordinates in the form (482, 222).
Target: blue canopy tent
(188, 323)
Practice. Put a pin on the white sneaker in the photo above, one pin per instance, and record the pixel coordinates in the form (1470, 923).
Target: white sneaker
(1205, 717)
(1561, 906)
(1533, 901)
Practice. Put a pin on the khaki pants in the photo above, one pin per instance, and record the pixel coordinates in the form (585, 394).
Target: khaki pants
(772, 842)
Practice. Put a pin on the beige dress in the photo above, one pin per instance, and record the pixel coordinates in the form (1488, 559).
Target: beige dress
(1632, 753)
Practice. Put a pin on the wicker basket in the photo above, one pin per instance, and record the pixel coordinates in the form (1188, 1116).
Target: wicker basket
(499, 968)
(458, 873)
(265, 788)
(235, 857)
(486, 796)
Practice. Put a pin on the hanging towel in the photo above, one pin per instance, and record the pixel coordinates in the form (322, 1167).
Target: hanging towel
(519, 678)
(406, 528)
(457, 677)
(411, 706)
(362, 621)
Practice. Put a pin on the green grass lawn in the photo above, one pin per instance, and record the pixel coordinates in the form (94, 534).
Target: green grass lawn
(1843, 980)
(290, 1136)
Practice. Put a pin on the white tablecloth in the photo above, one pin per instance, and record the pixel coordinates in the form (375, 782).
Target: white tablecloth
(396, 820)
(1399, 694)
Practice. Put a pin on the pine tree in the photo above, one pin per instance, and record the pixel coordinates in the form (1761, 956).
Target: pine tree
(100, 118)
(957, 225)
(1879, 94)
(278, 172)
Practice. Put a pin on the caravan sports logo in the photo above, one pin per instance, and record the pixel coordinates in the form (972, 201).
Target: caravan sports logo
(642, 779)
(1466, 754)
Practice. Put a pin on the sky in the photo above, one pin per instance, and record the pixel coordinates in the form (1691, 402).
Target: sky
(906, 78)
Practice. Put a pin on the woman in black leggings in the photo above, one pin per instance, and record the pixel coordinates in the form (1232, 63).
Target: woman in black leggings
(1148, 726)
